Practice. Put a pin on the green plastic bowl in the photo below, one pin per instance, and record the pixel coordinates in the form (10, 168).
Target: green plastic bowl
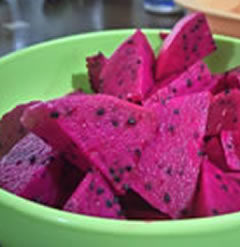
(45, 71)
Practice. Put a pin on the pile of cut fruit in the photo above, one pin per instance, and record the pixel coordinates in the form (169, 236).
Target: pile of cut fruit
(159, 138)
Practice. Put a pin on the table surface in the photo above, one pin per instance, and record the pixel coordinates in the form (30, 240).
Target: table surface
(26, 22)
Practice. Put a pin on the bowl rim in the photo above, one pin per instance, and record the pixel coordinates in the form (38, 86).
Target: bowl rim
(197, 6)
(75, 222)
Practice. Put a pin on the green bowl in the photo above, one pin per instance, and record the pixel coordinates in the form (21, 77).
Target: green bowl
(45, 71)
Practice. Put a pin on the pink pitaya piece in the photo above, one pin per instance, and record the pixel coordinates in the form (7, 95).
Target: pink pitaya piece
(218, 192)
(95, 65)
(11, 129)
(224, 112)
(195, 79)
(129, 72)
(94, 197)
(228, 80)
(31, 170)
(190, 41)
(214, 151)
(108, 132)
(167, 173)
(231, 145)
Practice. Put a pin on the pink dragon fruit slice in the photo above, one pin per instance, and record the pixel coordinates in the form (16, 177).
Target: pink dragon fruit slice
(11, 129)
(214, 150)
(190, 41)
(129, 72)
(228, 80)
(94, 197)
(224, 112)
(110, 133)
(218, 192)
(167, 173)
(196, 79)
(31, 170)
(95, 66)
(231, 145)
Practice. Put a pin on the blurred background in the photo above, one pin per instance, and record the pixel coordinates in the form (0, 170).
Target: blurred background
(26, 22)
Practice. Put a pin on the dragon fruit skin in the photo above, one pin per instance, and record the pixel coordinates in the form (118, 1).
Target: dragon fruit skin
(189, 42)
(31, 170)
(11, 129)
(167, 173)
(219, 193)
(224, 112)
(94, 197)
(231, 145)
(214, 150)
(128, 73)
(195, 79)
(95, 66)
(109, 133)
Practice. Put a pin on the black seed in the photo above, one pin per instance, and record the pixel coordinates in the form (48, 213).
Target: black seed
(215, 211)
(138, 152)
(201, 153)
(195, 48)
(120, 212)
(19, 162)
(224, 187)
(187, 58)
(181, 173)
(229, 146)
(171, 129)
(184, 212)
(189, 83)
(174, 90)
(109, 204)
(163, 101)
(121, 170)
(126, 187)
(115, 200)
(130, 41)
(235, 120)
(32, 159)
(207, 139)
(218, 177)
(132, 121)
(184, 36)
(54, 114)
(100, 191)
(199, 78)
(148, 186)
(196, 27)
(139, 61)
(167, 198)
(226, 91)
(176, 111)
(120, 82)
(91, 186)
(115, 123)
(111, 170)
(169, 171)
(116, 179)
(128, 168)
(100, 111)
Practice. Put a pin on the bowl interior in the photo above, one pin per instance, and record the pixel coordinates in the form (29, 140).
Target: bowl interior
(52, 69)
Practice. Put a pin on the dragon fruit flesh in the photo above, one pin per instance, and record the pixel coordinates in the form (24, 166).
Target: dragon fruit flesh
(190, 41)
(231, 146)
(95, 65)
(219, 193)
(167, 173)
(94, 197)
(11, 129)
(128, 74)
(31, 170)
(224, 112)
(195, 79)
(108, 132)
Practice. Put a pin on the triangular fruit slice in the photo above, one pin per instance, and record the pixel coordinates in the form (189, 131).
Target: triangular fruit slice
(167, 173)
(190, 41)
(94, 197)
